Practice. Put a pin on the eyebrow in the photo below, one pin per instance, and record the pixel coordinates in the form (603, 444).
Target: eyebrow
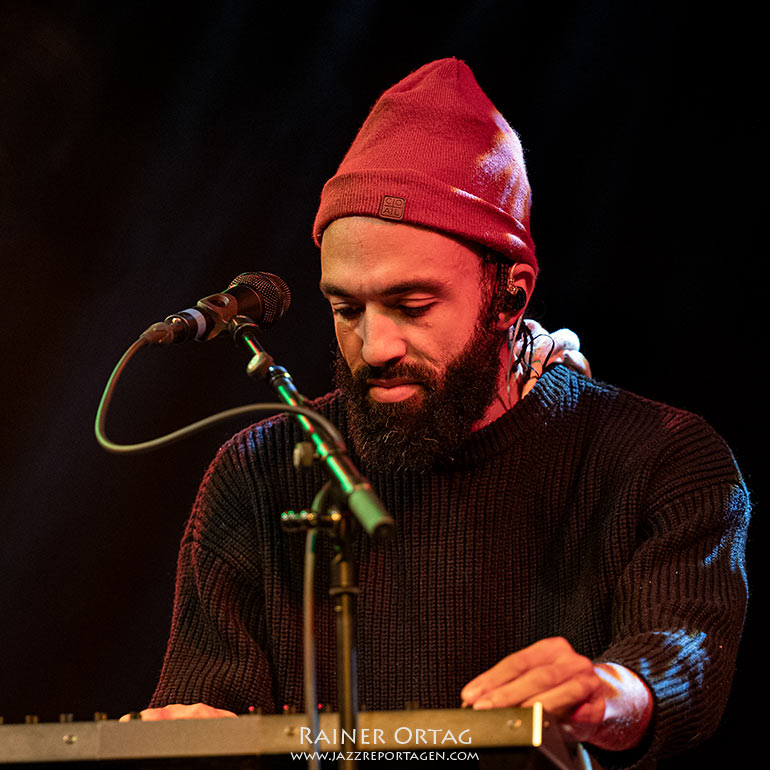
(404, 287)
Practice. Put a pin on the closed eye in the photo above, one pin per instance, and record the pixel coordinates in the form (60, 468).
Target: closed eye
(351, 312)
(415, 311)
(347, 312)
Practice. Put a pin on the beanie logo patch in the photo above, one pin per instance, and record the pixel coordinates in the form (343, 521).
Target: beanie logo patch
(392, 207)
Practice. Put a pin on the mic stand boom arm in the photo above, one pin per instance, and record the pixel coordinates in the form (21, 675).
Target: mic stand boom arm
(358, 493)
(347, 492)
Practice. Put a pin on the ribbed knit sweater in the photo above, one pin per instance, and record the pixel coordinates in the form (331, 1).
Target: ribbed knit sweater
(585, 512)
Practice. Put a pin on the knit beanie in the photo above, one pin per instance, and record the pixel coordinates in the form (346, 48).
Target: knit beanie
(435, 152)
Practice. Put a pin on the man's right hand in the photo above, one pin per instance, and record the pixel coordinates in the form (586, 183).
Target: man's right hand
(182, 711)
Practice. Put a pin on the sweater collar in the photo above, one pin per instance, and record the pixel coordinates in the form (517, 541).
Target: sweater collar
(525, 417)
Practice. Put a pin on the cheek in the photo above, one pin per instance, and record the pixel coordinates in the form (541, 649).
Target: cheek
(446, 338)
(349, 344)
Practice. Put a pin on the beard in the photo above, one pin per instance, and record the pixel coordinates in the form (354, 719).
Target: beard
(418, 432)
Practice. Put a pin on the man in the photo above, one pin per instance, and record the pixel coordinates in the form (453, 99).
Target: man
(573, 543)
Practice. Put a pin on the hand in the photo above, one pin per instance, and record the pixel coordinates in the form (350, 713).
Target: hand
(604, 704)
(560, 347)
(182, 711)
(549, 671)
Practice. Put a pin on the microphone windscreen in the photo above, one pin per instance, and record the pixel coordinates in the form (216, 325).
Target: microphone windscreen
(273, 292)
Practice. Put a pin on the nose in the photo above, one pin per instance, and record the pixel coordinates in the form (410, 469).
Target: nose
(383, 340)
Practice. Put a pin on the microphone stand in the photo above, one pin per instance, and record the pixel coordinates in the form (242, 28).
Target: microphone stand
(347, 492)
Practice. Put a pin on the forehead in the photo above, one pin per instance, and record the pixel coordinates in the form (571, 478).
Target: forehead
(367, 255)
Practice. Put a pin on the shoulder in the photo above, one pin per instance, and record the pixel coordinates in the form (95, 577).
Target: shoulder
(609, 406)
(631, 426)
(273, 433)
(671, 462)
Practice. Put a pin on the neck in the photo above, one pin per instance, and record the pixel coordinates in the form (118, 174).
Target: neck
(503, 400)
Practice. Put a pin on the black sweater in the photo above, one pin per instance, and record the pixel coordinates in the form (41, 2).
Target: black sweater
(585, 512)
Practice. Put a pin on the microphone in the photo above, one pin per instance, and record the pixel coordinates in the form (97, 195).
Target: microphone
(262, 297)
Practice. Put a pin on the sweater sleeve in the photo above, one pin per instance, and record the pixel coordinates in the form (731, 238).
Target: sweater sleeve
(680, 603)
(212, 655)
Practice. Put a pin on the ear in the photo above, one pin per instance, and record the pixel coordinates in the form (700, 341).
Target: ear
(522, 277)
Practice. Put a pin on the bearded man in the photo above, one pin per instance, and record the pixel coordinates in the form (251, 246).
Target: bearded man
(566, 542)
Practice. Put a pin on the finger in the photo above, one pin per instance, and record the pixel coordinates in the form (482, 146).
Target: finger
(565, 339)
(154, 715)
(511, 667)
(567, 677)
(182, 711)
(554, 348)
(534, 327)
(577, 361)
(543, 346)
(581, 691)
(197, 711)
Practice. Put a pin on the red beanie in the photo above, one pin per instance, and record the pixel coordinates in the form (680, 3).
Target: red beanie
(435, 152)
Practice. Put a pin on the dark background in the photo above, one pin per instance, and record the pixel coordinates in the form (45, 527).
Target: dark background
(150, 152)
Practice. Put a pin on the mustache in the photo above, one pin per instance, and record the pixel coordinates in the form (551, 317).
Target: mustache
(422, 374)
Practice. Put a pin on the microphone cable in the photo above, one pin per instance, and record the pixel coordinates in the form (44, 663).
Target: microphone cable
(196, 427)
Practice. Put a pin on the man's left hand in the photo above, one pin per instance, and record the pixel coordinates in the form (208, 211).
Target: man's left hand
(604, 704)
